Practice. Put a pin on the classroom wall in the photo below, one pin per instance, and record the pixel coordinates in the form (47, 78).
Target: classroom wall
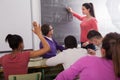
(15, 18)
(106, 11)
(36, 16)
(106, 14)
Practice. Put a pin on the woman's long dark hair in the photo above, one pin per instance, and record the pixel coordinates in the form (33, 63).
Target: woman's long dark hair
(111, 44)
(90, 7)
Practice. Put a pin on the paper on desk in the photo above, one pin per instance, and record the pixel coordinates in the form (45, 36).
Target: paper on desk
(36, 59)
(35, 63)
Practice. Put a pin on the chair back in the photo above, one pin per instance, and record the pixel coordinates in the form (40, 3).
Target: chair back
(30, 76)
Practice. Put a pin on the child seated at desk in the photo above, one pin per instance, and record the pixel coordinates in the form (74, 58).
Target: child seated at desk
(68, 56)
(95, 38)
(17, 61)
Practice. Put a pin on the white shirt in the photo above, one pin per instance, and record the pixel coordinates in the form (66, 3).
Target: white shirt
(98, 50)
(67, 57)
(49, 38)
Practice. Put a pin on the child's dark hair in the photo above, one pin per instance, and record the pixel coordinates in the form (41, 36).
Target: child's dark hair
(45, 29)
(111, 44)
(70, 42)
(94, 34)
(14, 41)
(90, 7)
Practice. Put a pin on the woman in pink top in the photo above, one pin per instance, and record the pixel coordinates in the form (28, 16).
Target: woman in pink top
(17, 61)
(97, 68)
(88, 23)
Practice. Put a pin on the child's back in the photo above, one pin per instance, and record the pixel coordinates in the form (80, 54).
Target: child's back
(15, 63)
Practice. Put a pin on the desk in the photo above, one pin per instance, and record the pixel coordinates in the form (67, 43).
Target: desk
(48, 73)
(37, 62)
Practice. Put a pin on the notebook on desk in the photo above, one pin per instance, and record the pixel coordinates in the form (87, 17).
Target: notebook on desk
(36, 59)
(37, 62)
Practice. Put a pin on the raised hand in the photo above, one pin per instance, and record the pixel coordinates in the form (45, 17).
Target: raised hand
(36, 28)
